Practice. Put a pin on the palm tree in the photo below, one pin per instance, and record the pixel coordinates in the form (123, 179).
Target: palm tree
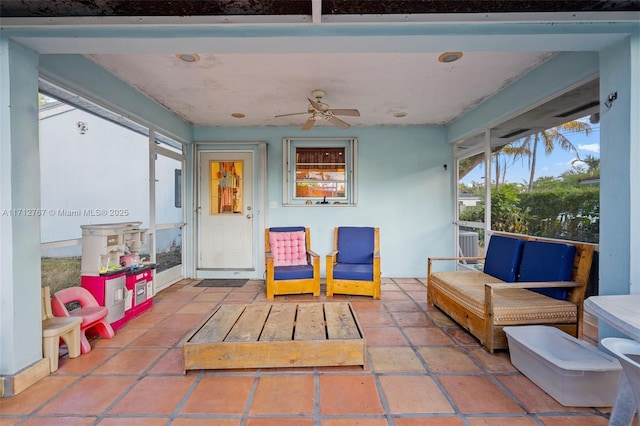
(528, 149)
(509, 151)
(593, 164)
(466, 165)
(550, 138)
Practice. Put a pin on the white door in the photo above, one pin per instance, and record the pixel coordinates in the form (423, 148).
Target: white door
(225, 210)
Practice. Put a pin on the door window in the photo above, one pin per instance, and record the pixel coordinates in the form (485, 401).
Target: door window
(226, 187)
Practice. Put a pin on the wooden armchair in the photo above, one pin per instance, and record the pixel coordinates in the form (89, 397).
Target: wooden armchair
(292, 267)
(353, 267)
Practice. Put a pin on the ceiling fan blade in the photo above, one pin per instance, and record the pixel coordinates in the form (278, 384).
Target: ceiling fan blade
(293, 113)
(309, 123)
(349, 112)
(317, 105)
(336, 121)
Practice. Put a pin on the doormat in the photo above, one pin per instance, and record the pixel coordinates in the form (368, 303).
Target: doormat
(222, 283)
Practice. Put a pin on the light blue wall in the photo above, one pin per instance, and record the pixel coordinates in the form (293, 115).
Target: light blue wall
(403, 188)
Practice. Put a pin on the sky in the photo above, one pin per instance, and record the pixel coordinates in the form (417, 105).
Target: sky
(553, 165)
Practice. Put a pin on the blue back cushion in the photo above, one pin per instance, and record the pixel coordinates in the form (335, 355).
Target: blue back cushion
(287, 229)
(543, 261)
(503, 257)
(355, 245)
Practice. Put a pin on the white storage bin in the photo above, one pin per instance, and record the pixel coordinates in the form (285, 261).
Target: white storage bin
(573, 372)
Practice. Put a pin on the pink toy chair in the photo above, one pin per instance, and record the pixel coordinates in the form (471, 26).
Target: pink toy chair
(94, 316)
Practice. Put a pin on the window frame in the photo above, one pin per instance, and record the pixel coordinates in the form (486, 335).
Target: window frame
(289, 171)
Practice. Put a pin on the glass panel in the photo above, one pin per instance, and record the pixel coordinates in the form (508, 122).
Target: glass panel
(315, 175)
(92, 171)
(320, 190)
(168, 190)
(320, 172)
(60, 267)
(471, 190)
(226, 187)
(168, 248)
(547, 183)
(471, 243)
(168, 210)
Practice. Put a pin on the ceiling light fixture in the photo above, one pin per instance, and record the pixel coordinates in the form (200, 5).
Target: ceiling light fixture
(188, 57)
(399, 114)
(447, 57)
(238, 115)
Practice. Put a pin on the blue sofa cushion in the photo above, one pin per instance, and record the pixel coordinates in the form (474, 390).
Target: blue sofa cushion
(543, 261)
(353, 271)
(502, 258)
(356, 244)
(296, 272)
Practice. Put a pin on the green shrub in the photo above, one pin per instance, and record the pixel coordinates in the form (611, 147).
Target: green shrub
(564, 213)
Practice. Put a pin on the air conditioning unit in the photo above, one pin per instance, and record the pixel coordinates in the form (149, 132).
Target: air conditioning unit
(468, 242)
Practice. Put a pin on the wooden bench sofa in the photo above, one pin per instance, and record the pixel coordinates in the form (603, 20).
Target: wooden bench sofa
(518, 269)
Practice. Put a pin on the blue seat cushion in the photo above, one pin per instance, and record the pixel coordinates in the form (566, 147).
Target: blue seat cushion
(543, 261)
(353, 271)
(295, 272)
(287, 229)
(356, 244)
(502, 259)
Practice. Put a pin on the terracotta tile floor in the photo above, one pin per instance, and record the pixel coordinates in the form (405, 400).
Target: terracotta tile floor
(422, 369)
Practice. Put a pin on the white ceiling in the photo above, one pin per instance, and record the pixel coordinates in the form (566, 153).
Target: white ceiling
(207, 92)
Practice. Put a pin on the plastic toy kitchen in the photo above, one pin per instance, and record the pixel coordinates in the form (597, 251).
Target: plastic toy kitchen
(113, 270)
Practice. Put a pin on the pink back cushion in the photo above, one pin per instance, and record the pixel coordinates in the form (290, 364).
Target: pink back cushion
(288, 248)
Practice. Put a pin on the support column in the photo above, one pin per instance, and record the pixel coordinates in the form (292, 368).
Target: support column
(21, 360)
(620, 177)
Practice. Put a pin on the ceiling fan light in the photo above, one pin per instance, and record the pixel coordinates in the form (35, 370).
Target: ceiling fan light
(448, 57)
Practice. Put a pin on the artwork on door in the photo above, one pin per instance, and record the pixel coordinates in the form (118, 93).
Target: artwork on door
(226, 187)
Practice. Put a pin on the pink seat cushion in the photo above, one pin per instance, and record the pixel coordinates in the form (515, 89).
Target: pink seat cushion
(288, 248)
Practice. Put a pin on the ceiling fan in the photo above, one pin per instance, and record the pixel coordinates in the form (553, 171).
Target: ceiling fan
(318, 110)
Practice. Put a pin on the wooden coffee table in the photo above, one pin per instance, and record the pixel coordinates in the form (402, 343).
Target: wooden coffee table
(276, 335)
